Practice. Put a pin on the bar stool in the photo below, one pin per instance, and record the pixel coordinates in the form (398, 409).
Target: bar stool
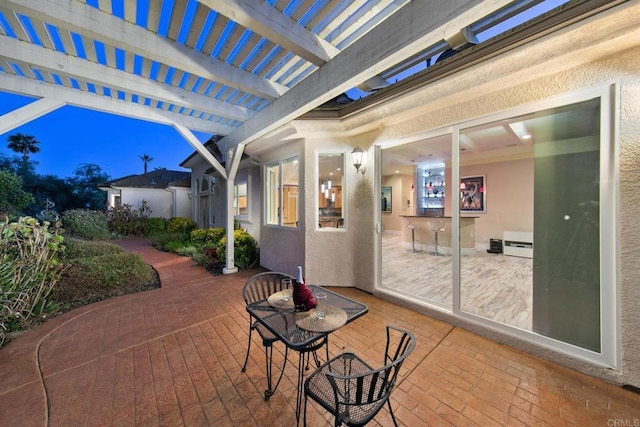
(436, 227)
(413, 235)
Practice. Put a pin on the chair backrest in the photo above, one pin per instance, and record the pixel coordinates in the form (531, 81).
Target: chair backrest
(261, 285)
(369, 391)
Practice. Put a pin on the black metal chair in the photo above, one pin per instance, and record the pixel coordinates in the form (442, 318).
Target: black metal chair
(258, 288)
(353, 391)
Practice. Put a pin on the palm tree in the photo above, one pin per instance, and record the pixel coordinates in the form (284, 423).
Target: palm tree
(25, 144)
(146, 159)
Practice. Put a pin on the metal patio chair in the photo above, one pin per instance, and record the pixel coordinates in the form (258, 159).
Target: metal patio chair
(353, 391)
(257, 288)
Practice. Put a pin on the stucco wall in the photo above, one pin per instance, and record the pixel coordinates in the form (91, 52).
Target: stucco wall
(159, 200)
(574, 59)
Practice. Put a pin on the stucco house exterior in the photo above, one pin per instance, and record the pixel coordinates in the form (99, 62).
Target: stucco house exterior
(576, 179)
(166, 192)
(530, 137)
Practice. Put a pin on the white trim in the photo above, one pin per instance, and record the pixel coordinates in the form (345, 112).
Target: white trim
(609, 95)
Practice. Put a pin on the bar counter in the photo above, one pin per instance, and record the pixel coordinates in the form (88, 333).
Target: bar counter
(425, 239)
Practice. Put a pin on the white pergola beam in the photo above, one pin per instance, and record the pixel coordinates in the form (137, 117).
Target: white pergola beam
(75, 16)
(13, 49)
(268, 22)
(200, 148)
(32, 111)
(392, 41)
(105, 104)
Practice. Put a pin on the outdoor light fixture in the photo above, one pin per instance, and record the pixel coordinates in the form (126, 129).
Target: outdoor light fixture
(358, 160)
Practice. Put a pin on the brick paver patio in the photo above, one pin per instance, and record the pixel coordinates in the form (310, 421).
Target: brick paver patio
(172, 356)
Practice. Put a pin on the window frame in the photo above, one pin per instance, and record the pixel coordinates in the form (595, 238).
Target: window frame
(269, 192)
(236, 208)
(316, 191)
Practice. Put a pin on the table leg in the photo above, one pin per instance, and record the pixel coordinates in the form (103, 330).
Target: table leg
(301, 361)
(304, 357)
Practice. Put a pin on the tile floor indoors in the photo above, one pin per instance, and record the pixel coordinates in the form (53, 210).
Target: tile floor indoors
(172, 356)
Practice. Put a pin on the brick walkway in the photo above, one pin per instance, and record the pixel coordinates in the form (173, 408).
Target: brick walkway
(172, 356)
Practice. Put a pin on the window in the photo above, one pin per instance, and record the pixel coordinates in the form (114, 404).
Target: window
(240, 199)
(281, 197)
(330, 190)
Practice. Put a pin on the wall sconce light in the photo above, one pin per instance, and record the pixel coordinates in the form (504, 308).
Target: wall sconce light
(358, 160)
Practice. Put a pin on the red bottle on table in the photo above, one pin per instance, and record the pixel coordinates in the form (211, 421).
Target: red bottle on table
(302, 296)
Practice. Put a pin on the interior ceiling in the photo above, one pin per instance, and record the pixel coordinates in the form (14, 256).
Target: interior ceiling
(513, 137)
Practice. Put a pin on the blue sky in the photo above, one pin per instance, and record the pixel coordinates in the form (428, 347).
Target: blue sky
(71, 136)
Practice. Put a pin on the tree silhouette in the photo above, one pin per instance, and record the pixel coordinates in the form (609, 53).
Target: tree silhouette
(146, 159)
(24, 144)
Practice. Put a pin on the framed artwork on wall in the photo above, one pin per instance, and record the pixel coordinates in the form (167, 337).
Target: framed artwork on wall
(473, 195)
(385, 199)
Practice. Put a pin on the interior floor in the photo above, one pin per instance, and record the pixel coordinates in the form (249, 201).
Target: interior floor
(495, 286)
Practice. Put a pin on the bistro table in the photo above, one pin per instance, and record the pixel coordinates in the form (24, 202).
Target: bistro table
(284, 323)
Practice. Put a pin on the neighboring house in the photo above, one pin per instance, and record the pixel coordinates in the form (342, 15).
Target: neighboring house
(567, 183)
(166, 192)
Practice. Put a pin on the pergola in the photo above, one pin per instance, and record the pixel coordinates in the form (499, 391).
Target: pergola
(233, 68)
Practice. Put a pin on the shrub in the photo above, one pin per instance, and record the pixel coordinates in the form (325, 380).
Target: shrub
(188, 250)
(124, 220)
(180, 224)
(30, 270)
(162, 240)
(87, 224)
(79, 248)
(207, 237)
(153, 226)
(246, 253)
(175, 246)
(87, 277)
(13, 198)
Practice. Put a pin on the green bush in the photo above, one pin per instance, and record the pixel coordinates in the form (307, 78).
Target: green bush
(80, 248)
(246, 253)
(13, 198)
(208, 237)
(175, 246)
(180, 224)
(124, 220)
(164, 239)
(29, 270)
(202, 259)
(188, 250)
(87, 277)
(153, 226)
(87, 224)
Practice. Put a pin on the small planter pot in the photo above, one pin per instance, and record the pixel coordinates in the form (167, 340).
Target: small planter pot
(211, 252)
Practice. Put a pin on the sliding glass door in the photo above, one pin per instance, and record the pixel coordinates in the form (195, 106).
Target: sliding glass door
(526, 235)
